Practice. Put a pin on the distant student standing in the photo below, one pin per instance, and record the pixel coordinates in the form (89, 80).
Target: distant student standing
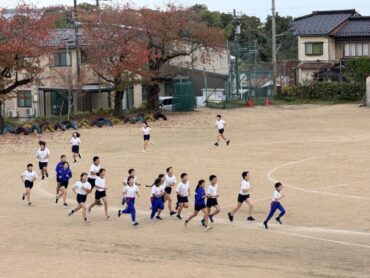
(130, 191)
(28, 177)
(276, 205)
(81, 189)
(100, 192)
(243, 196)
(76, 142)
(64, 175)
(200, 205)
(157, 194)
(212, 195)
(220, 124)
(146, 134)
(59, 166)
(43, 155)
(183, 193)
(169, 183)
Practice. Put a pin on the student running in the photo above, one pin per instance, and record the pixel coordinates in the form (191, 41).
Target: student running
(59, 166)
(94, 170)
(146, 134)
(132, 173)
(81, 189)
(275, 204)
(43, 155)
(64, 175)
(212, 195)
(200, 205)
(169, 183)
(100, 192)
(220, 125)
(156, 195)
(243, 196)
(161, 177)
(28, 177)
(130, 191)
(183, 193)
(76, 142)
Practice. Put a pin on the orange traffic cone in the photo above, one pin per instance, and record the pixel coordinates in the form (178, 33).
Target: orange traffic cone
(250, 102)
(267, 102)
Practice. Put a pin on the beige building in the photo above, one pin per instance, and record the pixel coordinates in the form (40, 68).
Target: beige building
(326, 39)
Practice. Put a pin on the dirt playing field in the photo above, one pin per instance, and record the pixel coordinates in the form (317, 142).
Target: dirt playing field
(320, 153)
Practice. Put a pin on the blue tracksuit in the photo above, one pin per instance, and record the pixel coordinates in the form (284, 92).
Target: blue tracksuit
(157, 203)
(199, 196)
(64, 174)
(274, 207)
(130, 209)
(58, 168)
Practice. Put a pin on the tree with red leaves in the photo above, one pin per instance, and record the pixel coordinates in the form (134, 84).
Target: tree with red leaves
(115, 49)
(176, 33)
(23, 41)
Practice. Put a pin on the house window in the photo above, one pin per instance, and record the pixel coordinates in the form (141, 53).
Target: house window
(83, 56)
(62, 59)
(24, 99)
(357, 49)
(314, 48)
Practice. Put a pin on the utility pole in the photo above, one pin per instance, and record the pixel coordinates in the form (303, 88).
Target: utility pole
(236, 45)
(274, 71)
(76, 92)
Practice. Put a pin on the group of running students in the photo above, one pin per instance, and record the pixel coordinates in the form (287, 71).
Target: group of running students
(205, 199)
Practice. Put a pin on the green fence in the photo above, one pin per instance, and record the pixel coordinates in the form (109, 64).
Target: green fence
(183, 96)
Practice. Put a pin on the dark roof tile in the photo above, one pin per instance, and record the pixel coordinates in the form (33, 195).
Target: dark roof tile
(355, 27)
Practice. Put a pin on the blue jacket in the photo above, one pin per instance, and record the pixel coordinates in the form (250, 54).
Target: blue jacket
(199, 196)
(64, 174)
(59, 167)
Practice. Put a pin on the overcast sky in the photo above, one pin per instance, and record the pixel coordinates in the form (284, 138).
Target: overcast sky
(259, 8)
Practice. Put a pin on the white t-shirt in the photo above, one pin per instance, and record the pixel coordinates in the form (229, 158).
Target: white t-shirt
(244, 185)
(212, 191)
(130, 191)
(276, 195)
(75, 141)
(29, 176)
(146, 130)
(82, 187)
(43, 155)
(94, 168)
(220, 124)
(169, 181)
(183, 189)
(100, 182)
(157, 191)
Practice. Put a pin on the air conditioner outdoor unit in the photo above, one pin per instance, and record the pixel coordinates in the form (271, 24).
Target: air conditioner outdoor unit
(12, 113)
(29, 112)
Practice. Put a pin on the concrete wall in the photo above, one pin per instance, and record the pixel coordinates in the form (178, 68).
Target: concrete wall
(305, 76)
(368, 91)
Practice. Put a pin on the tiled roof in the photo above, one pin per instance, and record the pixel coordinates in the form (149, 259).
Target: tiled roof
(320, 22)
(355, 27)
(64, 37)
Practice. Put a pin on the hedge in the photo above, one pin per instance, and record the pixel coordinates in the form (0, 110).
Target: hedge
(332, 91)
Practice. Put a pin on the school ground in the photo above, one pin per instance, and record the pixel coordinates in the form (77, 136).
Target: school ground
(320, 153)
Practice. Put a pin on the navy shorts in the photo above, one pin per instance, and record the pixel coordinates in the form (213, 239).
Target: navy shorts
(146, 137)
(92, 182)
(76, 149)
(81, 198)
(100, 194)
(199, 207)
(64, 184)
(168, 190)
(212, 202)
(43, 165)
(181, 199)
(28, 184)
(242, 198)
(221, 131)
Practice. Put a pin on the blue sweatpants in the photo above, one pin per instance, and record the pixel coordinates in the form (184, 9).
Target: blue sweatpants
(157, 203)
(130, 208)
(274, 207)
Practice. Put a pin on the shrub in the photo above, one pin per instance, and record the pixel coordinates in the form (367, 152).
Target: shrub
(334, 91)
